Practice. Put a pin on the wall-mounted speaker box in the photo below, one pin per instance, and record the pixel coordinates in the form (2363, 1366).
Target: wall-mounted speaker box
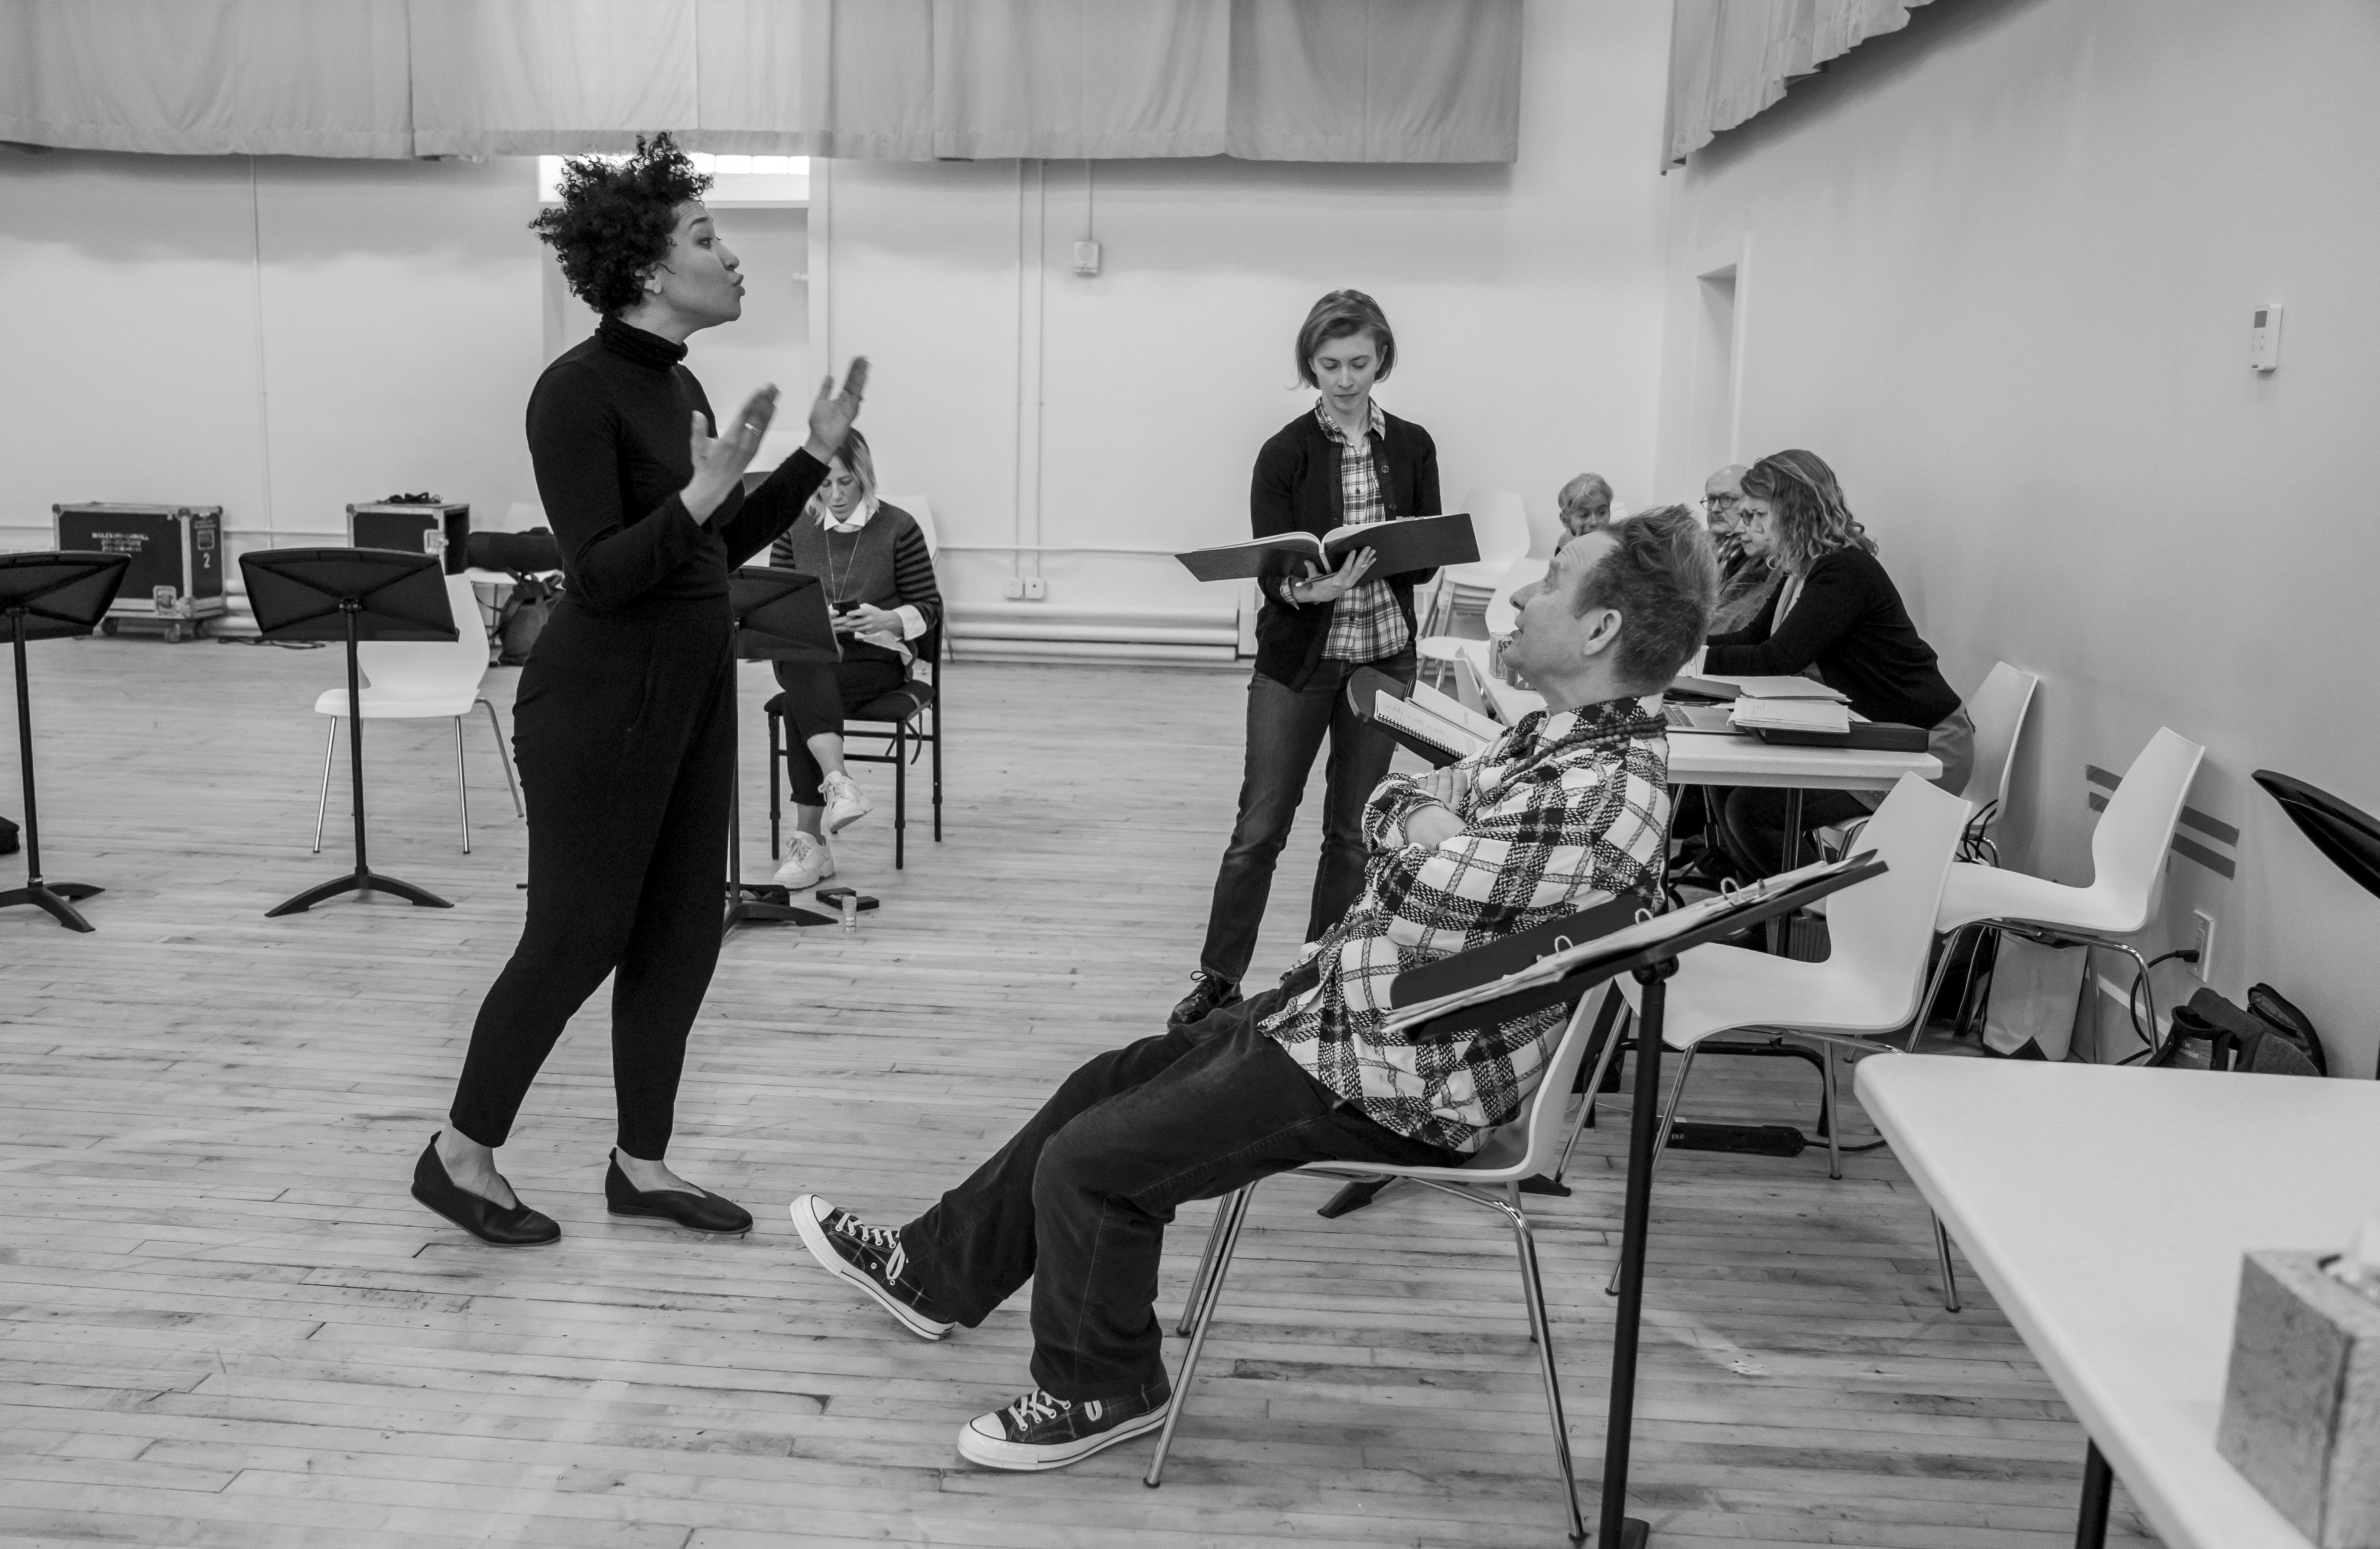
(176, 579)
(412, 527)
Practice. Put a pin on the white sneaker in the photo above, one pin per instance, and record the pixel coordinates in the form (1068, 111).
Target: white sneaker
(807, 861)
(844, 805)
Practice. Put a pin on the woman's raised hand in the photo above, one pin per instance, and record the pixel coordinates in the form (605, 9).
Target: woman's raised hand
(720, 461)
(831, 415)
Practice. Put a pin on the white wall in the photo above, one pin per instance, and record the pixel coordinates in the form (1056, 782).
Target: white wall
(279, 337)
(1526, 301)
(1999, 269)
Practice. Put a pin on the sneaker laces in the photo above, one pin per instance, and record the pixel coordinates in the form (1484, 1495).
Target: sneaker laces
(1038, 1406)
(885, 1240)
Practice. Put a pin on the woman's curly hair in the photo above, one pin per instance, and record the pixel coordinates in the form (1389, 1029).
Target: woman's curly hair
(1812, 517)
(616, 219)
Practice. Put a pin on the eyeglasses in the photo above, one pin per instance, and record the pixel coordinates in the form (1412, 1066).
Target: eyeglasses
(1721, 502)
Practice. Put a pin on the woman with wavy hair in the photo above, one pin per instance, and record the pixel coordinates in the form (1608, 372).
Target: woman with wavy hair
(1835, 616)
(624, 723)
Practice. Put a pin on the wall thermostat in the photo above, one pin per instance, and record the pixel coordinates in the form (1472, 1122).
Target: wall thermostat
(1087, 257)
(2264, 340)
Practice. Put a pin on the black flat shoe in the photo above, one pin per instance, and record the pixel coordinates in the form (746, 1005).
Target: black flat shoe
(492, 1224)
(700, 1211)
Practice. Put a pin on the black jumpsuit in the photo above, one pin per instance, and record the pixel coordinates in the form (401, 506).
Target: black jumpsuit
(624, 730)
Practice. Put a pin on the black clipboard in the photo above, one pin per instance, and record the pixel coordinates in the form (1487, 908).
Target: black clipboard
(781, 615)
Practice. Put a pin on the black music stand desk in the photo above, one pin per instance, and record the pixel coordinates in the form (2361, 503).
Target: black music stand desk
(352, 595)
(781, 615)
(1652, 965)
(48, 597)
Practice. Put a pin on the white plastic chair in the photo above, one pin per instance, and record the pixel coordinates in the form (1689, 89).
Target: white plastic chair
(1869, 984)
(2127, 867)
(1998, 709)
(1528, 1146)
(1500, 522)
(412, 680)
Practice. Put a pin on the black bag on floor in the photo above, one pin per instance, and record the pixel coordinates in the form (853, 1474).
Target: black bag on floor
(2267, 1006)
(9, 842)
(2211, 1033)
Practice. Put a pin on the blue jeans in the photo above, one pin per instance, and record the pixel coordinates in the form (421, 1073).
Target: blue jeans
(1285, 730)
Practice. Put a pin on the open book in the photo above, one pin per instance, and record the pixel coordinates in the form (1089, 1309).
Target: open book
(1406, 543)
(1723, 685)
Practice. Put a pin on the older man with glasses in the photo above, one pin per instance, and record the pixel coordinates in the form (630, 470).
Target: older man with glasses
(1744, 579)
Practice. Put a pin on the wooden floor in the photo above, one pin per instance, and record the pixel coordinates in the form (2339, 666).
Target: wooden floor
(224, 1322)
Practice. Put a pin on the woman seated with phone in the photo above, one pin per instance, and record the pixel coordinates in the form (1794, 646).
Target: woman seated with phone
(879, 578)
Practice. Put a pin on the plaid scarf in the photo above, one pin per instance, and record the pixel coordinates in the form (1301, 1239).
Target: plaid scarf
(1565, 810)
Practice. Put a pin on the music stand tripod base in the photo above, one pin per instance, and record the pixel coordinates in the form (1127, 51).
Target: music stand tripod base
(55, 595)
(351, 595)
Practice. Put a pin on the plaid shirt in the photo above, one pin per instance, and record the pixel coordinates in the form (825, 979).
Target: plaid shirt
(1564, 811)
(1365, 624)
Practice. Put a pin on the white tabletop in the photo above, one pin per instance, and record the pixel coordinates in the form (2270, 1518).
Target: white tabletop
(1732, 758)
(2107, 1210)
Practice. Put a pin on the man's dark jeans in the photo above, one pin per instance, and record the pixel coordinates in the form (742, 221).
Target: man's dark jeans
(1285, 730)
(1078, 1201)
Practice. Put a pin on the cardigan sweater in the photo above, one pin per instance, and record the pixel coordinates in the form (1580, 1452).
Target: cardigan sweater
(1848, 623)
(1296, 487)
(608, 427)
(884, 564)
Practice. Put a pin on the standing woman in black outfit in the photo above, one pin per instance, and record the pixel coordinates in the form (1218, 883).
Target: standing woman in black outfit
(1837, 615)
(1348, 461)
(624, 723)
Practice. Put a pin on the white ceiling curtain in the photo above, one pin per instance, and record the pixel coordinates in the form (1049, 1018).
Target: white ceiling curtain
(1417, 80)
(207, 78)
(1731, 59)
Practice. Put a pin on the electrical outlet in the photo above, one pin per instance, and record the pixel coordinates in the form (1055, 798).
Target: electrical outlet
(2202, 938)
(1013, 588)
(1036, 588)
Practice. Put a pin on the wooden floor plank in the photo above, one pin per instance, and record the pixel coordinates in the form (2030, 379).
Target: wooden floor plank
(222, 1322)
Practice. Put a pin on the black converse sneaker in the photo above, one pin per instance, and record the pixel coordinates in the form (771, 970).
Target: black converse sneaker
(870, 1258)
(1040, 1430)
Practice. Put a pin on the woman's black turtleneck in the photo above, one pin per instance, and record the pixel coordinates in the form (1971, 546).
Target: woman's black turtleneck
(608, 433)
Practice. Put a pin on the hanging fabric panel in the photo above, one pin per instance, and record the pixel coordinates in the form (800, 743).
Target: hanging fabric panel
(1382, 80)
(530, 77)
(1730, 60)
(207, 78)
(1376, 81)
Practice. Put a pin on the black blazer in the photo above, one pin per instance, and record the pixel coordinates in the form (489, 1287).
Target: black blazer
(1296, 489)
(1850, 622)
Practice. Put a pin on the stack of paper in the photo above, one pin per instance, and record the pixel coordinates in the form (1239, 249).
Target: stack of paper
(1793, 715)
(1438, 730)
(1721, 685)
(1447, 707)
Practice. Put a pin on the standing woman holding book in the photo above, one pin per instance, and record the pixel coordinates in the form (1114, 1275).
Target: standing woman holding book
(1346, 463)
(625, 720)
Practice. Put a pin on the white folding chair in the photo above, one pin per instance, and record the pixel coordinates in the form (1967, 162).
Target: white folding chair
(2127, 867)
(1880, 931)
(414, 680)
(1500, 522)
(1998, 709)
(1491, 1179)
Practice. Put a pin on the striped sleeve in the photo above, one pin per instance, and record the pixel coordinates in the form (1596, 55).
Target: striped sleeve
(913, 574)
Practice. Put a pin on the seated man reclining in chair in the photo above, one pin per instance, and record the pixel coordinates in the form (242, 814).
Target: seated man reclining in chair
(1565, 810)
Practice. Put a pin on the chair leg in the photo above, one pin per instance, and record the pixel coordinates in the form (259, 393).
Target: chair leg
(1834, 1101)
(324, 805)
(775, 852)
(1205, 1268)
(1235, 1207)
(1533, 1290)
(1661, 1139)
(938, 763)
(504, 756)
(462, 790)
(1950, 1276)
(900, 793)
(1620, 1024)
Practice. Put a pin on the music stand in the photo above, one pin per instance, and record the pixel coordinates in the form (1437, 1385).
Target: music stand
(48, 596)
(1652, 964)
(351, 595)
(779, 615)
